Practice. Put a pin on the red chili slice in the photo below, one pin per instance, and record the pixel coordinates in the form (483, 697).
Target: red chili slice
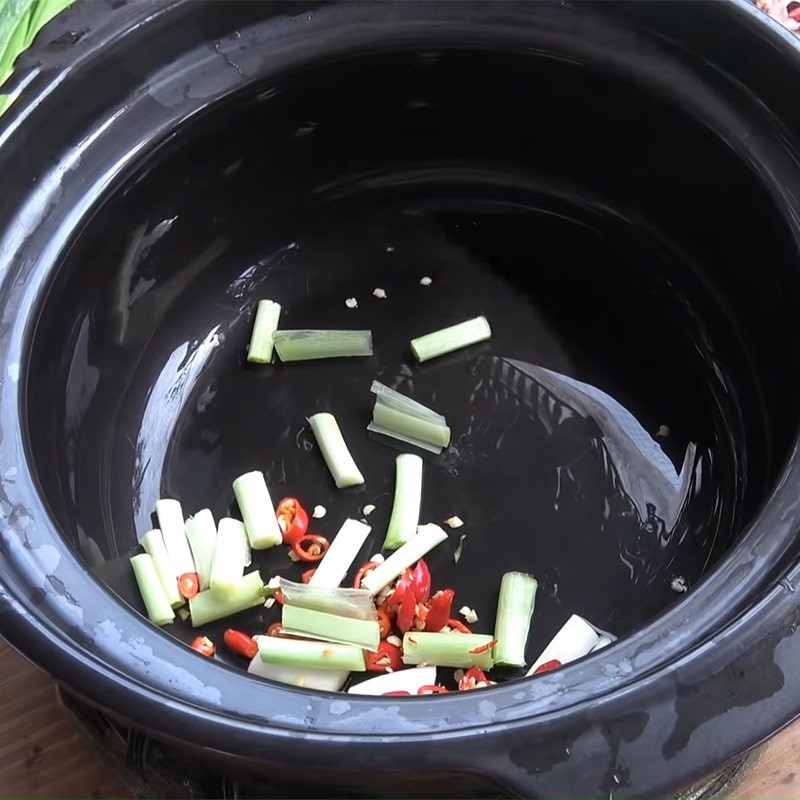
(292, 518)
(398, 693)
(366, 568)
(310, 547)
(439, 609)
(482, 648)
(389, 656)
(188, 585)
(547, 666)
(472, 677)
(400, 588)
(431, 688)
(385, 623)
(421, 581)
(458, 626)
(240, 643)
(204, 646)
(308, 575)
(405, 615)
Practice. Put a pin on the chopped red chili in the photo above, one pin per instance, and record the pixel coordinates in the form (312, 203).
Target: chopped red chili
(204, 646)
(439, 609)
(458, 626)
(188, 585)
(292, 518)
(405, 614)
(400, 588)
(472, 677)
(421, 581)
(388, 657)
(240, 643)
(385, 623)
(432, 688)
(547, 666)
(366, 568)
(308, 575)
(397, 693)
(482, 648)
(310, 547)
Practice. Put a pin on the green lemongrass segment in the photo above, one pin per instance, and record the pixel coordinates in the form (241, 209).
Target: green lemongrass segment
(228, 562)
(201, 531)
(407, 500)
(207, 606)
(173, 529)
(448, 649)
(455, 337)
(309, 654)
(352, 603)
(327, 680)
(153, 544)
(407, 420)
(404, 680)
(307, 345)
(331, 627)
(426, 538)
(513, 621)
(265, 324)
(341, 554)
(258, 511)
(334, 450)
(159, 610)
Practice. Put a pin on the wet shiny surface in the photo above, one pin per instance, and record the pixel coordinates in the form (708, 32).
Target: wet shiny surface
(571, 481)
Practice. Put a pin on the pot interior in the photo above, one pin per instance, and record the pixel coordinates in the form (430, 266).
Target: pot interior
(620, 428)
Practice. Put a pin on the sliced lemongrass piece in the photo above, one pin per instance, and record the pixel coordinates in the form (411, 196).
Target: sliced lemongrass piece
(331, 627)
(427, 537)
(307, 345)
(264, 326)
(407, 420)
(341, 554)
(602, 641)
(326, 680)
(308, 654)
(170, 521)
(258, 511)
(207, 607)
(448, 649)
(407, 500)
(404, 680)
(153, 544)
(513, 621)
(201, 531)
(575, 640)
(228, 562)
(452, 338)
(334, 450)
(159, 611)
(353, 603)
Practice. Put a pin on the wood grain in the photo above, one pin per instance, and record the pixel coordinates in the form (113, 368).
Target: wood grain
(43, 755)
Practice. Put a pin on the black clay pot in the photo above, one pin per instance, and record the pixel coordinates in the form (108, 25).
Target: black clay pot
(616, 186)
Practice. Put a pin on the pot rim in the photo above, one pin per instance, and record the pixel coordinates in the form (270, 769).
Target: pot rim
(133, 670)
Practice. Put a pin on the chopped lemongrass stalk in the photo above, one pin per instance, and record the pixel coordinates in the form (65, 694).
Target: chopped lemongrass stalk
(575, 640)
(407, 500)
(207, 607)
(447, 340)
(603, 641)
(264, 326)
(159, 611)
(326, 680)
(170, 520)
(331, 627)
(257, 509)
(334, 450)
(307, 345)
(448, 649)
(469, 614)
(459, 548)
(153, 544)
(368, 509)
(319, 512)
(341, 554)
(427, 537)
(352, 603)
(407, 420)
(454, 522)
(201, 531)
(309, 654)
(405, 680)
(228, 563)
(513, 620)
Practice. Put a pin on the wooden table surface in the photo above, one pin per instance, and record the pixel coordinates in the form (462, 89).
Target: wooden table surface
(43, 755)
